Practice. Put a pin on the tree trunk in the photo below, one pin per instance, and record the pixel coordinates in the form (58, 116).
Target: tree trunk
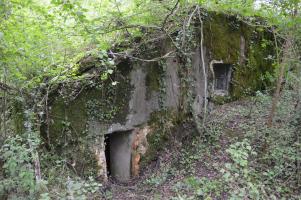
(285, 57)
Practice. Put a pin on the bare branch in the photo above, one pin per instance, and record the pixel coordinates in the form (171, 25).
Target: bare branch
(173, 10)
(167, 55)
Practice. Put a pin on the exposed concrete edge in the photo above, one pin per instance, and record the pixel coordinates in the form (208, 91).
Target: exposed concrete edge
(118, 127)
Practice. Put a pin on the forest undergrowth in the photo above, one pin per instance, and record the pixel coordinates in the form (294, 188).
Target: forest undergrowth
(247, 149)
(239, 157)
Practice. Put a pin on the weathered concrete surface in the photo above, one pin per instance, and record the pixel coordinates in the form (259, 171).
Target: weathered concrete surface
(98, 148)
(172, 83)
(120, 155)
(199, 80)
(140, 107)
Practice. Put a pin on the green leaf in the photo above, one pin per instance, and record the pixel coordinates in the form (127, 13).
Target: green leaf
(104, 76)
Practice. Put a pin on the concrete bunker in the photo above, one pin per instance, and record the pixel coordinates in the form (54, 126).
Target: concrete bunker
(124, 114)
(118, 152)
(222, 78)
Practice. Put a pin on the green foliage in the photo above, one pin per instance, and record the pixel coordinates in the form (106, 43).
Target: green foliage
(188, 160)
(163, 122)
(213, 131)
(220, 100)
(42, 45)
(200, 188)
(79, 189)
(18, 154)
(158, 179)
(239, 152)
(239, 175)
(41, 38)
(257, 162)
(74, 188)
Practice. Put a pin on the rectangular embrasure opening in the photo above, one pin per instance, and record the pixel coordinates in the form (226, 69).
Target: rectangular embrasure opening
(222, 76)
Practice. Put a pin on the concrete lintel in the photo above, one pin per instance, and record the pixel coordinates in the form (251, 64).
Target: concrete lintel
(117, 127)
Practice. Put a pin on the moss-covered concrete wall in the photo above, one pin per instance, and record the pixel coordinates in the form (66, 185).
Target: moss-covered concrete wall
(70, 117)
(247, 48)
(148, 89)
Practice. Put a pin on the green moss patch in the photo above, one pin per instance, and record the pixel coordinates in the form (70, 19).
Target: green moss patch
(222, 37)
(162, 124)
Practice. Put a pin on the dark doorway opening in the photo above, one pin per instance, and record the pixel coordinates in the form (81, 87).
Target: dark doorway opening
(222, 76)
(107, 154)
(118, 151)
